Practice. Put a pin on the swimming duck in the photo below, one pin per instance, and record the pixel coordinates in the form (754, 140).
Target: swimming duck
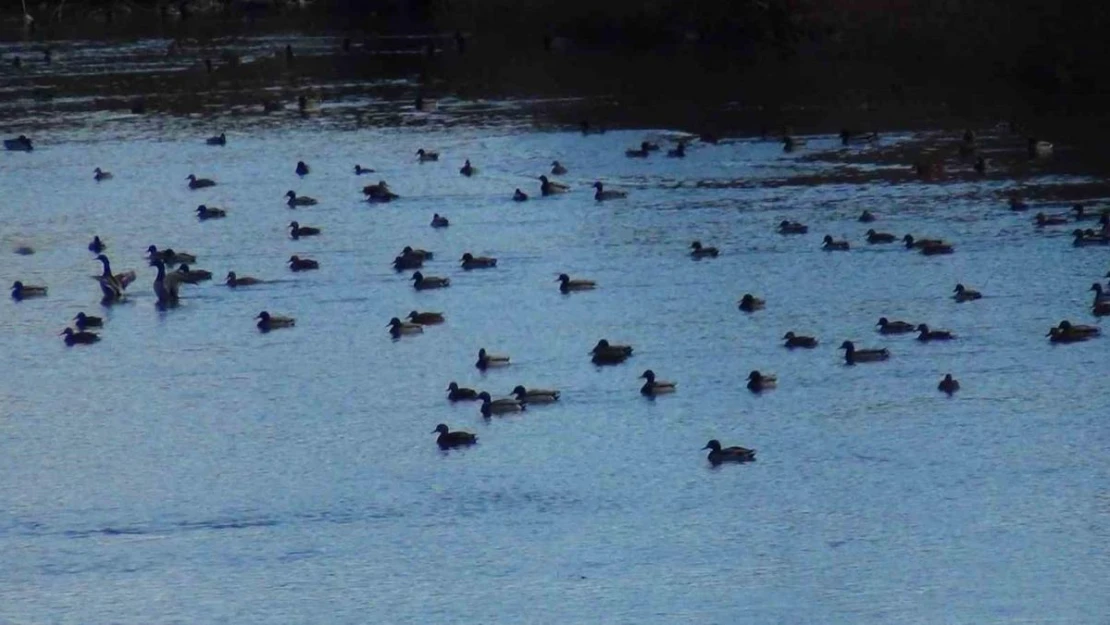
(302, 169)
(448, 439)
(750, 303)
(535, 395)
(1087, 238)
(793, 340)
(457, 393)
(426, 156)
(193, 276)
(948, 384)
(166, 286)
(520, 196)
(22, 291)
(642, 152)
(79, 338)
(1043, 220)
(557, 169)
(97, 246)
(1101, 309)
(792, 227)
(398, 328)
(606, 354)
(880, 237)
(679, 151)
(267, 322)
(504, 405)
(296, 263)
(83, 321)
(551, 187)
(566, 285)
(653, 386)
(220, 140)
(169, 256)
(1056, 335)
(423, 254)
(927, 335)
(467, 169)
(113, 285)
(830, 245)
(717, 455)
(299, 200)
(964, 294)
(426, 318)
(758, 382)
(408, 261)
(853, 355)
(1081, 213)
(379, 192)
(99, 174)
(234, 281)
(894, 327)
(422, 283)
(470, 261)
(1100, 294)
(359, 170)
(865, 217)
(601, 194)
(19, 144)
(937, 250)
(1039, 149)
(297, 231)
(439, 221)
(487, 360)
(912, 243)
(697, 251)
(199, 183)
(1066, 327)
(204, 213)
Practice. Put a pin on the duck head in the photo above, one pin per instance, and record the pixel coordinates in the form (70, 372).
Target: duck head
(598, 186)
(543, 179)
(294, 225)
(519, 390)
(202, 209)
(394, 323)
(828, 238)
(152, 250)
(17, 286)
(290, 194)
(696, 245)
(68, 332)
(921, 327)
(848, 345)
(714, 445)
(482, 354)
(264, 316)
(417, 277)
(294, 259)
(440, 429)
(788, 335)
(484, 396)
(648, 375)
(959, 288)
(563, 278)
(454, 386)
(191, 178)
(467, 257)
(755, 376)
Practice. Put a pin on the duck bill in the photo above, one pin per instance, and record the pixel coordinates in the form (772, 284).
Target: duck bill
(706, 447)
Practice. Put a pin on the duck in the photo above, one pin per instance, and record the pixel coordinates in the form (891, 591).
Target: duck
(487, 360)
(653, 386)
(853, 355)
(503, 405)
(166, 286)
(299, 200)
(758, 382)
(467, 169)
(887, 326)
(205, 213)
(359, 170)
(1066, 327)
(425, 156)
(606, 354)
(296, 230)
(697, 251)
(439, 221)
(1101, 295)
(641, 152)
(750, 303)
(457, 393)
(448, 439)
(296, 263)
(79, 338)
(1056, 335)
(925, 334)
(1081, 213)
(22, 291)
(398, 328)
(830, 245)
(423, 254)
(112, 285)
(964, 294)
(865, 217)
(948, 385)
(912, 243)
(302, 169)
(97, 246)
(1039, 149)
(99, 174)
(169, 256)
(535, 395)
(937, 250)
(792, 227)
(719, 455)
(1043, 220)
(408, 261)
(422, 283)
(379, 192)
(219, 140)
(566, 284)
(193, 276)
(794, 340)
(557, 169)
(679, 151)
(469, 261)
(602, 195)
(199, 183)
(235, 281)
(267, 322)
(83, 321)
(426, 318)
(1087, 238)
(880, 237)
(20, 144)
(551, 187)
(519, 196)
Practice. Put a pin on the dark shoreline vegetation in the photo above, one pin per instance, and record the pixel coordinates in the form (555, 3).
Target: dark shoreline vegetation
(740, 68)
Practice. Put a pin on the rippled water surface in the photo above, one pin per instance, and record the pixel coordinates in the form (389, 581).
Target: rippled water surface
(190, 469)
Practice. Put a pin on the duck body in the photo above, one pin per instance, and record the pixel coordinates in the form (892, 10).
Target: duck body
(221, 139)
(794, 341)
(912, 243)
(490, 361)
(166, 286)
(551, 187)
(601, 194)
(1089, 238)
(295, 200)
(566, 285)
(964, 294)
(99, 174)
(422, 283)
(79, 338)
(399, 328)
(408, 261)
(831, 245)
(750, 303)
(938, 249)
(1056, 335)
(467, 169)
(1101, 295)
(853, 355)
(887, 326)
(426, 318)
(235, 281)
(457, 393)
(267, 322)
(439, 221)
(606, 354)
(1042, 220)
(654, 386)
(199, 183)
(504, 405)
(557, 169)
(449, 440)
(469, 261)
(112, 285)
(83, 321)
(204, 213)
(925, 334)
(302, 169)
(425, 156)
(880, 237)
(792, 227)
(97, 246)
(698, 251)
(865, 217)
(379, 192)
(758, 382)
(535, 395)
(193, 276)
(360, 170)
(19, 144)
(296, 263)
(520, 196)
(296, 231)
(719, 455)
(22, 291)
(1085, 331)
(679, 151)
(948, 385)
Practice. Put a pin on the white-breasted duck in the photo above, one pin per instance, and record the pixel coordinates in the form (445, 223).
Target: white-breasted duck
(487, 360)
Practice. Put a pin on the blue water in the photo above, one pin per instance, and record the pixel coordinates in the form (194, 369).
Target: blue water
(189, 469)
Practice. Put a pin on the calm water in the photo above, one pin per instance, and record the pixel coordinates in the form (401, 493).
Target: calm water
(189, 469)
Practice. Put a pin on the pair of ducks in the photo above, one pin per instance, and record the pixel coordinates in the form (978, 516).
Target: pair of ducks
(887, 326)
(81, 336)
(410, 258)
(1065, 332)
(416, 323)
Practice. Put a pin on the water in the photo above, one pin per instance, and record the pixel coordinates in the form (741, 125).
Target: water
(191, 469)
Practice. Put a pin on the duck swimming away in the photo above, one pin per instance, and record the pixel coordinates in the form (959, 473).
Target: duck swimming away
(467, 169)
(948, 385)
(22, 291)
(83, 321)
(235, 281)
(426, 318)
